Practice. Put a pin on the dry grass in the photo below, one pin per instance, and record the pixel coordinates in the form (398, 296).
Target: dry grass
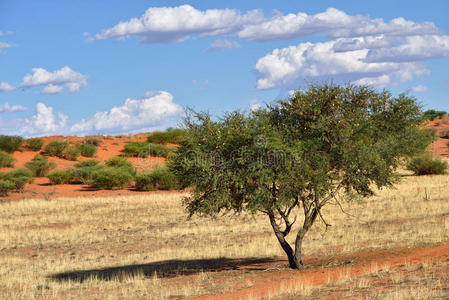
(151, 236)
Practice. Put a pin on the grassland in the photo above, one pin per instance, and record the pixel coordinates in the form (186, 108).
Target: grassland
(145, 247)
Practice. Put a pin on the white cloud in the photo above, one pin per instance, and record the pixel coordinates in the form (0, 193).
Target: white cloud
(155, 109)
(419, 88)
(6, 108)
(221, 44)
(177, 24)
(6, 87)
(254, 105)
(6, 45)
(55, 81)
(44, 122)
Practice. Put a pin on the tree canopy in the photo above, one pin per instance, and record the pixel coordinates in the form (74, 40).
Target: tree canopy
(291, 158)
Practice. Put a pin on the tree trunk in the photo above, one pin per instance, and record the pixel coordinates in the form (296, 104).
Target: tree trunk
(298, 248)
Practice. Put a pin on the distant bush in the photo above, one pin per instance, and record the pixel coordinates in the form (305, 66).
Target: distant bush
(88, 150)
(159, 179)
(87, 163)
(432, 114)
(6, 160)
(84, 174)
(112, 178)
(18, 177)
(40, 165)
(136, 149)
(159, 150)
(92, 140)
(426, 165)
(56, 148)
(5, 187)
(34, 144)
(174, 136)
(72, 153)
(10, 143)
(117, 161)
(60, 177)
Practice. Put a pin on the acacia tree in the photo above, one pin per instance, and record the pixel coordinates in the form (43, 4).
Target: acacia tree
(292, 158)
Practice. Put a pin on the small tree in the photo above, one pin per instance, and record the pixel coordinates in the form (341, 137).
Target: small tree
(292, 158)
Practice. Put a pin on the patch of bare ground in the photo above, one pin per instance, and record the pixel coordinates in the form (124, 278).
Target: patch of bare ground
(144, 247)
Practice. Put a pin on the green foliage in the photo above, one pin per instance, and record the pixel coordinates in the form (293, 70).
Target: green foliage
(6, 160)
(5, 187)
(34, 144)
(56, 148)
(432, 114)
(136, 149)
(72, 153)
(118, 161)
(112, 178)
(87, 163)
(159, 150)
(84, 174)
(159, 179)
(88, 150)
(40, 165)
(426, 165)
(60, 177)
(174, 136)
(10, 143)
(297, 153)
(18, 177)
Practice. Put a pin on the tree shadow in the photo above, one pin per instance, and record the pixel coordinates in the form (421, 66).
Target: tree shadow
(163, 269)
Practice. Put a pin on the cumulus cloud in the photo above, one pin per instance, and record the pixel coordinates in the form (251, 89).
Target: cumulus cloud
(55, 81)
(419, 88)
(223, 44)
(6, 45)
(154, 109)
(177, 24)
(254, 105)
(6, 108)
(44, 122)
(6, 87)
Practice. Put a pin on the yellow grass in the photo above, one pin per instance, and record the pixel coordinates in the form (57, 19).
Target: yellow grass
(40, 238)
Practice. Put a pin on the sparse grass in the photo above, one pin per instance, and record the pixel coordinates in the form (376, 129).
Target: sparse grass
(41, 238)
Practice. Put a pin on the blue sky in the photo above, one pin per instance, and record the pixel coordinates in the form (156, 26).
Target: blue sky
(100, 67)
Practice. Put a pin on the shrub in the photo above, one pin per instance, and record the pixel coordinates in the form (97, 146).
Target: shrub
(159, 150)
(56, 148)
(84, 174)
(18, 177)
(88, 150)
(40, 165)
(60, 177)
(10, 143)
(72, 153)
(5, 187)
(159, 179)
(34, 144)
(92, 140)
(6, 160)
(170, 136)
(111, 178)
(140, 149)
(117, 161)
(87, 163)
(426, 164)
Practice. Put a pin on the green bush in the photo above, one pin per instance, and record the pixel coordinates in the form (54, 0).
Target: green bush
(5, 187)
(159, 150)
(72, 153)
(87, 163)
(60, 177)
(18, 177)
(426, 165)
(10, 143)
(6, 160)
(139, 149)
(118, 161)
(88, 150)
(174, 136)
(40, 165)
(56, 148)
(159, 179)
(34, 144)
(84, 174)
(112, 178)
